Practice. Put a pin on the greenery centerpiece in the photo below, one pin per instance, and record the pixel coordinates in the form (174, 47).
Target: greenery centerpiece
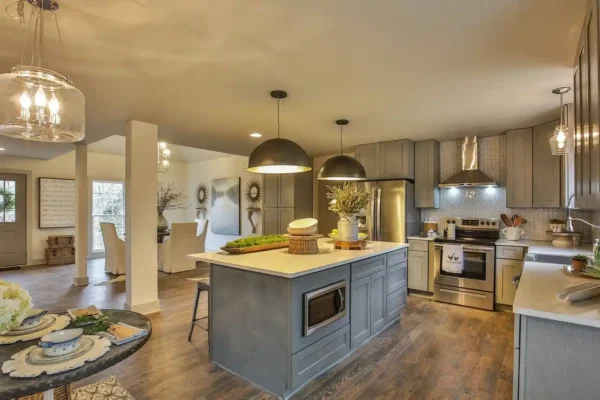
(7, 203)
(347, 201)
(15, 303)
(168, 198)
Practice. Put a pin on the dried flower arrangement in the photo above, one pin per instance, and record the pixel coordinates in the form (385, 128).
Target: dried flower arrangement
(169, 198)
(349, 198)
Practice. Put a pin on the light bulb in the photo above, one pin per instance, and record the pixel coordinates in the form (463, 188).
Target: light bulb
(162, 145)
(54, 105)
(165, 163)
(40, 98)
(561, 137)
(560, 145)
(167, 152)
(25, 100)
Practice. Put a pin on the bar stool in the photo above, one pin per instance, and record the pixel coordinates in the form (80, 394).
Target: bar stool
(202, 285)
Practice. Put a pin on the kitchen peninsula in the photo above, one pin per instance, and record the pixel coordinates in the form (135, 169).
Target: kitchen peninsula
(279, 319)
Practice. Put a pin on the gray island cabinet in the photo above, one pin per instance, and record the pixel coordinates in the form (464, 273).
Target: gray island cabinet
(278, 319)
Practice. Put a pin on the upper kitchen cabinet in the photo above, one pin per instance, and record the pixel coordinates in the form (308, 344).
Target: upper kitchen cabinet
(546, 168)
(286, 197)
(427, 174)
(388, 160)
(519, 168)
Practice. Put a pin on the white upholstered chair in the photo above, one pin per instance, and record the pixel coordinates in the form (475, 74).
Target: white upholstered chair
(114, 249)
(201, 236)
(172, 254)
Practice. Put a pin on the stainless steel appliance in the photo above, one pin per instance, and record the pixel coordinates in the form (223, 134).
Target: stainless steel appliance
(470, 175)
(324, 306)
(474, 287)
(390, 217)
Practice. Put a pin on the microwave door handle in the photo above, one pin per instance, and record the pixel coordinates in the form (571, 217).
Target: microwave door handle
(342, 300)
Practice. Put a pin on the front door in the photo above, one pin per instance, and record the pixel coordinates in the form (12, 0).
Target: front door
(13, 222)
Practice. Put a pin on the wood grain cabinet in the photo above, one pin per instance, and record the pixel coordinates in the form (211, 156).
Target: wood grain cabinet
(546, 168)
(418, 265)
(519, 168)
(427, 174)
(388, 160)
(509, 263)
(286, 197)
(368, 156)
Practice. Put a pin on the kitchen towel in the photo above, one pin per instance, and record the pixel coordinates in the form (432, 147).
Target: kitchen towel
(452, 259)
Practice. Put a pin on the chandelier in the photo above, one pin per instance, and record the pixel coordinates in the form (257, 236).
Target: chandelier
(558, 141)
(37, 103)
(163, 157)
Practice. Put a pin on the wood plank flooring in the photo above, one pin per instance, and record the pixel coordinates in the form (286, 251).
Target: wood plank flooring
(438, 351)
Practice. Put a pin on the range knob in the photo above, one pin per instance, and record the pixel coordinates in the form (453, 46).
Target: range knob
(453, 221)
(494, 223)
(481, 222)
(487, 223)
(448, 221)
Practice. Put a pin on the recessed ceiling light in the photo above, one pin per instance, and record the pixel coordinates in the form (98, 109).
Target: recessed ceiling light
(256, 134)
(2, 149)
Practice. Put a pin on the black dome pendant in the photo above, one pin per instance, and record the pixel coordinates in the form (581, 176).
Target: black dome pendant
(342, 168)
(279, 156)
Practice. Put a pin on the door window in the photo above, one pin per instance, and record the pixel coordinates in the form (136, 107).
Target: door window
(8, 200)
(108, 205)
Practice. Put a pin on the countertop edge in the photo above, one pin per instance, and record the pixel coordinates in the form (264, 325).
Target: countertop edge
(556, 317)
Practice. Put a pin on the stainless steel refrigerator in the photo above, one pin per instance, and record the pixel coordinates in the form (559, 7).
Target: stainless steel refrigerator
(390, 217)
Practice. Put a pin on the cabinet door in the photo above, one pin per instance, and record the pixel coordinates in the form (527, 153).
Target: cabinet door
(594, 107)
(270, 221)
(360, 311)
(427, 174)
(286, 190)
(519, 168)
(368, 156)
(418, 270)
(378, 301)
(579, 201)
(271, 190)
(397, 159)
(505, 271)
(585, 121)
(546, 168)
(286, 215)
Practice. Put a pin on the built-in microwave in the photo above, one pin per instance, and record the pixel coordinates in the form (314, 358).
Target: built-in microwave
(324, 306)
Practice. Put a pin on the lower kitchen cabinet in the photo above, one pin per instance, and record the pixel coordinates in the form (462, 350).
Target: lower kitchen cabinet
(378, 302)
(418, 265)
(360, 316)
(395, 303)
(509, 263)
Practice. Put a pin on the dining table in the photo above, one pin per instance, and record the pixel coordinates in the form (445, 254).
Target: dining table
(13, 388)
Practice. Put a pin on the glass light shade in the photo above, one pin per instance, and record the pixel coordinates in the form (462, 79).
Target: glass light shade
(279, 156)
(40, 104)
(558, 141)
(342, 168)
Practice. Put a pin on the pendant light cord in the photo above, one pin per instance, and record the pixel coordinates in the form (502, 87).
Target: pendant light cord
(341, 140)
(278, 125)
(561, 110)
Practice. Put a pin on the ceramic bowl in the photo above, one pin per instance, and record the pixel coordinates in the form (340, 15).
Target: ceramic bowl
(302, 231)
(60, 343)
(33, 318)
(303, 223)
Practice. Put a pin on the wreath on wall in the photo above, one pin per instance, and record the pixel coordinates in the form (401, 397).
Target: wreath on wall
(202, 195)
(253, 193)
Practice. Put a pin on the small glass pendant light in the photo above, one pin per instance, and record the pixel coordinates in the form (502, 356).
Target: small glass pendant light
(279, 156)
(342, 168)
(558, 141)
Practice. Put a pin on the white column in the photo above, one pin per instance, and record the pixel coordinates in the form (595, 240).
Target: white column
(140, 217)
(81, 214)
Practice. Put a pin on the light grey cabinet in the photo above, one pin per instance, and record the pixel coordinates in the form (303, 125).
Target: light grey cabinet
(418, 270)
(427, 174)
(395, 303)
(388, 160)
(509, 263)
(519, 168)
(368, 156)
(284, 217)
(270, 221)
(271, 191)
(360, 318)
(378, 301)
(286, 190)
(546, 168)
(287, 195)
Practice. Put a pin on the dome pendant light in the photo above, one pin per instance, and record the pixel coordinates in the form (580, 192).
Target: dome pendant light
(279, 156)
(558, 141)
(342, 168)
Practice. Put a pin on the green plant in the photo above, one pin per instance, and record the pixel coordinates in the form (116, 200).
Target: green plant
(579, 257)
(101, 325)
(349, 198)
(7, 200)
(256, 241)
(169, 198)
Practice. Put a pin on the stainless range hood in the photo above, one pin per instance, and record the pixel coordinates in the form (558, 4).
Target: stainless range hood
(470, 176)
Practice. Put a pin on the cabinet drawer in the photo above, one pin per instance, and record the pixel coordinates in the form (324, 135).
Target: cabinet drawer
(367, 267)
(320, 355)
(510, 252)
(396, 277)
(395, 303)
(396, 257)
(418, 245)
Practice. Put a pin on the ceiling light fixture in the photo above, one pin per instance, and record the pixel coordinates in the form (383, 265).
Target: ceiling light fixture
(256, 135)
(2, 149)
(37, 103)
(278, 156)
(163, 157)
(558, 141)
(342, 168)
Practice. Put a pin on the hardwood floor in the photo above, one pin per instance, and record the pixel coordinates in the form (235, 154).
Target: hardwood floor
(438, 351)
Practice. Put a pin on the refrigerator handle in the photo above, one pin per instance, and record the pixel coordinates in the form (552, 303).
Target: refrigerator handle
(373, 215)
(379, 223)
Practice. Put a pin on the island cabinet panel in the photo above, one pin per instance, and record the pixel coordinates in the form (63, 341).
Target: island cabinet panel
(360, 319)
(396, 277)
(395, 303)
(396, 257)
(368, 267)
(378, 302)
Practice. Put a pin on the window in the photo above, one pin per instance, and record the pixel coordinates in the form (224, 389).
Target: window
(7, 201)
(108, 205)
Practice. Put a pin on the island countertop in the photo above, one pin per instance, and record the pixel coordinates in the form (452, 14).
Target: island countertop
(280, 262)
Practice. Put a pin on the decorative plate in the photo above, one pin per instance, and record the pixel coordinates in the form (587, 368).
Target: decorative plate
(37, 356)
(20, 365)
(58, 322)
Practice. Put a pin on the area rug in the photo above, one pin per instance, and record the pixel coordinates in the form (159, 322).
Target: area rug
(108, 389)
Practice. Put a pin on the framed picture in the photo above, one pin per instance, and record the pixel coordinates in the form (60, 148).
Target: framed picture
(56, 203)
(225, 210)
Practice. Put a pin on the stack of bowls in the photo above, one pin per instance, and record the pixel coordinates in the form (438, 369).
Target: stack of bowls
(303, 227)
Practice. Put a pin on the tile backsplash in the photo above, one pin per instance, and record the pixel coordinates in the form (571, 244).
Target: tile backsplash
(491, 202)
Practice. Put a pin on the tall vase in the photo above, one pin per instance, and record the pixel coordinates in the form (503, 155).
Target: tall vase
(162, 223)
(347, 227)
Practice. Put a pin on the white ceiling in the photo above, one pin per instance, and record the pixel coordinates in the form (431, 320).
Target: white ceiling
(116, 145)
(202, 70)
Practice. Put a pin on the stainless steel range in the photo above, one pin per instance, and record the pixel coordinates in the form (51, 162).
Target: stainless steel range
(474, 286)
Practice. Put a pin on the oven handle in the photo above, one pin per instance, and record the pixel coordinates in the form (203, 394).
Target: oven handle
(465, 293)
(482, 249)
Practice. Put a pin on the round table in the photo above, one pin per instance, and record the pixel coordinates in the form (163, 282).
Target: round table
(17, 387)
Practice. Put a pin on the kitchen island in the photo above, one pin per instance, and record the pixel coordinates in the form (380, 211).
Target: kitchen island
(279, 319)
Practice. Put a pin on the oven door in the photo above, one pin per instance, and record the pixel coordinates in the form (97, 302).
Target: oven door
(324, 306)
(478, 272)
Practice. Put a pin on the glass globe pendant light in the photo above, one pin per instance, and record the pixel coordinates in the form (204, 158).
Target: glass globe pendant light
(163, 155)
(558, 141)
(37, 103)
(342, 168)
(279, 156)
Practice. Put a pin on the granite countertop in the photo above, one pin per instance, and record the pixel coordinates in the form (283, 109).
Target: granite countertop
(280, 262)
(422, 238)
(542, 247)
(536, 296)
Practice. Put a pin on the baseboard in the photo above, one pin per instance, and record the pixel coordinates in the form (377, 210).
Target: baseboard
(83, 281)
(150, 307)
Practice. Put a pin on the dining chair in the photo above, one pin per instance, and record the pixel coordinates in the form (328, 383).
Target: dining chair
(172, 254)
(201, 238)
(114, 249)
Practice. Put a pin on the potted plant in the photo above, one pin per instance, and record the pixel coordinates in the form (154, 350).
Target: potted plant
(579, 262)
(168, 198)
(347, 201)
